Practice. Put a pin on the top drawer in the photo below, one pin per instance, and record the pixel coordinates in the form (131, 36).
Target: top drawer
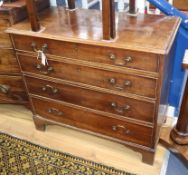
(58, 48)
(119, 57)
(110, 56)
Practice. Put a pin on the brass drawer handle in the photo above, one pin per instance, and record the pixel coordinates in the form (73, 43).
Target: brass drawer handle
(121, 128)
(126, 60)
(45, 72)
(112, 56)
(50, 88)
(127, 83)
(55, 111)
(120, 109)
(35, 49)
(5, 89)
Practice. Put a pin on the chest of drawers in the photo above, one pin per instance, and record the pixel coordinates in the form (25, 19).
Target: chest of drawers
(12, 89)
(113, 89)
(11, 84)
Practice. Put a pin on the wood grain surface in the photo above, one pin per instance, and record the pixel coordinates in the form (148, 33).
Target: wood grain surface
(85, 26)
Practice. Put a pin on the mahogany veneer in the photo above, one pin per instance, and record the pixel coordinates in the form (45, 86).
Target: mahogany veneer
(68, 70)
(181, 4)
(8, 62)
(115, 89)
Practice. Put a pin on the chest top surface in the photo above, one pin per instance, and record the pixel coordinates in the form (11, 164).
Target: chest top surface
(147, 33)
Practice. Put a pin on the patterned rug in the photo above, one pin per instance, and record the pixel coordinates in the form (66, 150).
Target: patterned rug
(20, 157)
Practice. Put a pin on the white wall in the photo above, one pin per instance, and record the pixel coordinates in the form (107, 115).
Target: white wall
(53, 2)
(140, 4)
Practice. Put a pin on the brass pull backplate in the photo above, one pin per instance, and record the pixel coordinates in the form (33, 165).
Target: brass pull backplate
(124, 61)
(121, 128)
(44, 70)
(120, 109)
(55, 111)
(35, 48)
(113, 82)
(5, 89)
(50, 89)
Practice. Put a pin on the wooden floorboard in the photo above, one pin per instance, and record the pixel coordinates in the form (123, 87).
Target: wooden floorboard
(17, 121)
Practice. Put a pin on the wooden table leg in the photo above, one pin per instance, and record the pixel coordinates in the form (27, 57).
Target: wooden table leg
(132, 7)
(176, 139)
(32, 13)
(108, 15)
(71, 4)
(179, 134)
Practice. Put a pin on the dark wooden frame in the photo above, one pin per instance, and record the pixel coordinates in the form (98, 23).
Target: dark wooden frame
(108, 16)
(179, 134)
(32, 13)
(132, 7)
(176, 139)
(71, 4)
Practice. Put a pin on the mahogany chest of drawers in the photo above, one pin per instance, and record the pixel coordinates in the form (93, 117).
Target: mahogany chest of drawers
(11, 84)
(12, 89)
(114, 89)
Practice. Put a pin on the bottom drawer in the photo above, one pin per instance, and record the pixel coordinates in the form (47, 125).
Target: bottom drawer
(12, 89)
(80, 118)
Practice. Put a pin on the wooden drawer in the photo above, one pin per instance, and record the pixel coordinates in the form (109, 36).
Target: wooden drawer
(60, 48)
(12, 89)
(122, 106)
(63, 113)
(8, 62)
(119, 57)
(4, 37)
(115, 57)
(92, 76)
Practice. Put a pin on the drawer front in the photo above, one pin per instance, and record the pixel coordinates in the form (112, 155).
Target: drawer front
(97, 123)
(53, 47)
(116, 57)
(91, 76)
(124, 107)
(4, 37)
(8, 62)
(12, 89)
(119, 57)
